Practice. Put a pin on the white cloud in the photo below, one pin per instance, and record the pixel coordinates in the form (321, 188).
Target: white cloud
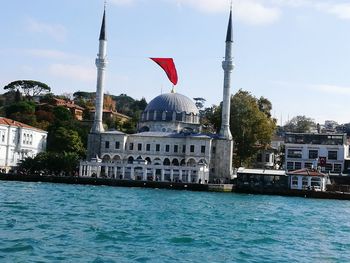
(255, 13)
(252, 12)
(331, 89)
(342, 11)
(56, 31)
(52, 54)
(122, 2)
(73, 72)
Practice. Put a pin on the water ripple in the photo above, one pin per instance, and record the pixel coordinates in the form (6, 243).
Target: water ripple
(42, 222)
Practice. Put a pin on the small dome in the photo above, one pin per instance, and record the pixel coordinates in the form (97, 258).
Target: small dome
(172, 102)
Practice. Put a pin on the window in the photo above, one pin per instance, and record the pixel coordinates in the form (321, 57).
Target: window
(214, 150)
(313, 154)
(107, 144)
(305, 182)
(337, 168)
(3, 137)
(183, 148)
(131, 146)
(295, 181)
(157, 147)
(139, 147)
(167, 148)
(192, 148)
(297, 165)
(332, 155)
(328, 167)
(148, 147)
(176, 148)
(117, 145)
(294, 153)
(290, 165)
(308, 165)
(203, 149)
(267, 158)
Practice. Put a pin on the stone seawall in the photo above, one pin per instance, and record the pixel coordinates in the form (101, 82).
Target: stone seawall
(101, 181)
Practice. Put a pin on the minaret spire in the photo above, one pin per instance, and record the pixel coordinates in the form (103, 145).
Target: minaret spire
(228, 66)
(103, 26)
(101, 63)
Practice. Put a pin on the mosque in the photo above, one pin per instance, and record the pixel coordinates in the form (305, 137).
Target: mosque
(169, 145)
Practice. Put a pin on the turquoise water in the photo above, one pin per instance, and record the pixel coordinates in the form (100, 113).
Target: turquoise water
(42, 222)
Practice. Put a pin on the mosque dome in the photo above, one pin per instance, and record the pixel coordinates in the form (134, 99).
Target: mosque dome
(172, 102)
(170, 112)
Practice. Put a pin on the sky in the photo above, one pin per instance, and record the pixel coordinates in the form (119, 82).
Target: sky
(296, 53)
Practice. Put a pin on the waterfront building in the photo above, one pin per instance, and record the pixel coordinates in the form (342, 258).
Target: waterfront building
(18, 141)
(312, 150)
(308, 179)
(169, 145)
(261, 179)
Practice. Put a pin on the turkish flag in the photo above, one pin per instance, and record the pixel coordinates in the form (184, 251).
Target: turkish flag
(323, 161)
(167, 64)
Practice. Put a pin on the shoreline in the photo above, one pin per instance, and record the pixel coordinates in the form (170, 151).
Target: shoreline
(228, 188)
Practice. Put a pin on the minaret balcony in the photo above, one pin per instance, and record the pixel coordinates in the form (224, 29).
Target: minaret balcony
(101, 62)
(228, 65)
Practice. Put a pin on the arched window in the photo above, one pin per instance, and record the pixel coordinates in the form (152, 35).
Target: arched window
(148, 160)
(191, 162)
(116, 159)
(175, 162)
(106, 159)
(166, 161)
(131, 160)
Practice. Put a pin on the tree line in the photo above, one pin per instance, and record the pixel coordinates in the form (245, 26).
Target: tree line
(252, 125)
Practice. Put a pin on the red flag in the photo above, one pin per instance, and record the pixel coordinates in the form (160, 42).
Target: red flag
(167, 64)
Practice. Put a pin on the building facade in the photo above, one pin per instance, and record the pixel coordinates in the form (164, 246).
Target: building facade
(312, 150)
(169, 145)
(18, 141)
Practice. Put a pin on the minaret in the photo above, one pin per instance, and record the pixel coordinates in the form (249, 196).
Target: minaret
(101, 63)
(228, 66)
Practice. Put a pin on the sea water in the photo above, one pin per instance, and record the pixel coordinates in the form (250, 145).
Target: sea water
(41, 222)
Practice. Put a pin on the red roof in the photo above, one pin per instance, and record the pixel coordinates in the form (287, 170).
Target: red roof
(308, 172)
(13, 123)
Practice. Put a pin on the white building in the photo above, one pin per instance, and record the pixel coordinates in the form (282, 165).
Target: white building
(307, 150)
(308, 179)
(169, 145)
(18, 141)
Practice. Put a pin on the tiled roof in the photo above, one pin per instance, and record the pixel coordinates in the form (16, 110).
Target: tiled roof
(13, 123)
(308, 172)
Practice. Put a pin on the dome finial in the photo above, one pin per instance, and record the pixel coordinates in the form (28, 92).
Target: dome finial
(173, 89)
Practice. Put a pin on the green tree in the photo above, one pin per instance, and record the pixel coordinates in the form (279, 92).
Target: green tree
(30, 88)
(23, 111)
(62, 114)
(251, 127)
(65, 140)
(300, 124)
(50, 163)
(265, 106)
